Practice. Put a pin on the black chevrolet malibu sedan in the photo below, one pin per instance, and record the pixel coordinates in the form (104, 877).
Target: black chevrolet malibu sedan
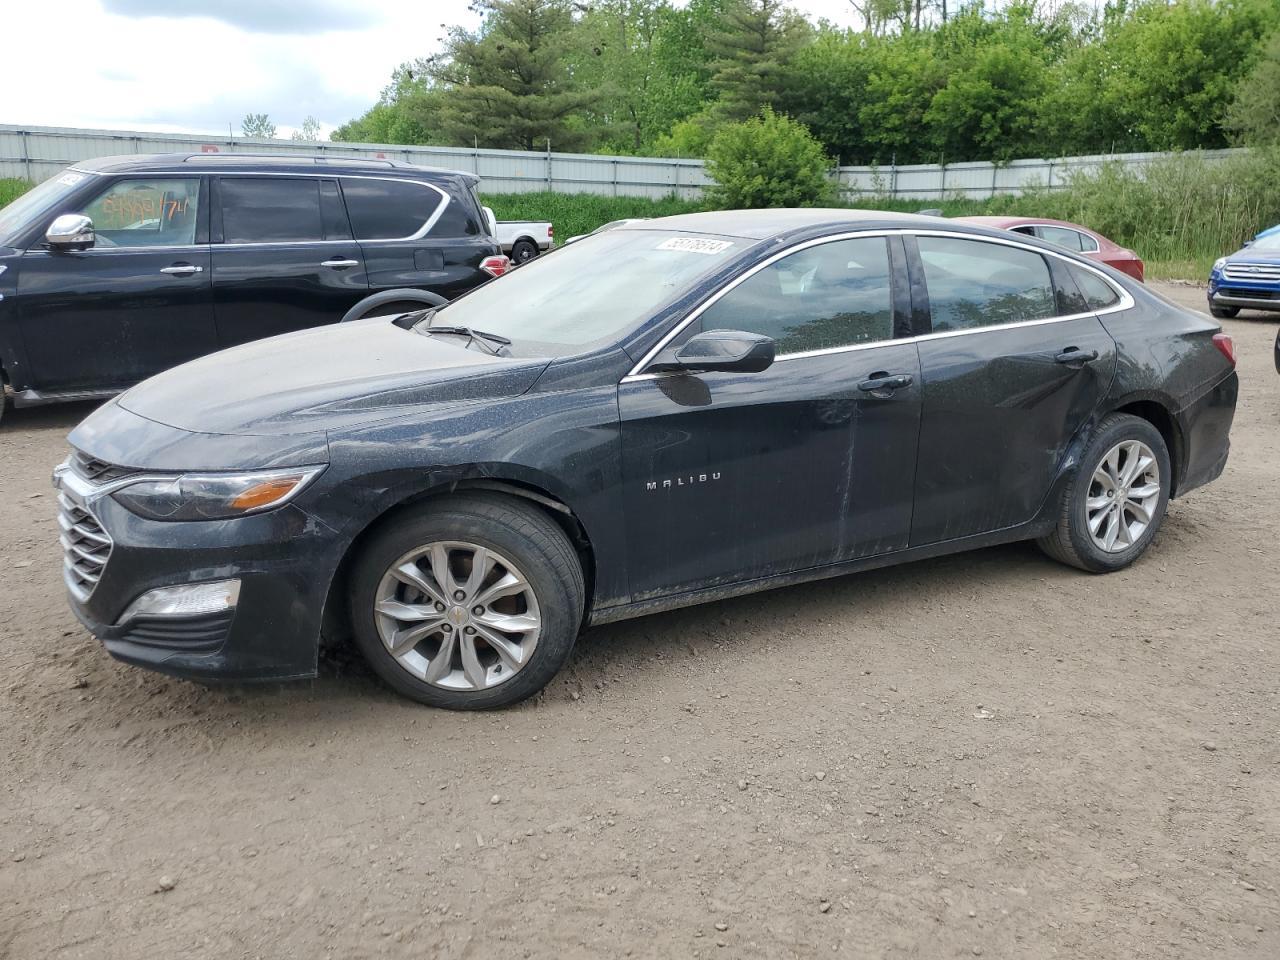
(675, 411)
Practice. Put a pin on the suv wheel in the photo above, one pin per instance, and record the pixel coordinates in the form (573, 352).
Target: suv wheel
(522, 251)
(468, 603)
(1223, 313)
(1114, 506)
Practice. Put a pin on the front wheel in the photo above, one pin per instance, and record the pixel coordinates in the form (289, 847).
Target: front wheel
(467, 603)
(1223, 313)
(1114, 506)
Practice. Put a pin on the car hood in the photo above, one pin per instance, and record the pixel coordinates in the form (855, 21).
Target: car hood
(1250, 255)
(326, 378)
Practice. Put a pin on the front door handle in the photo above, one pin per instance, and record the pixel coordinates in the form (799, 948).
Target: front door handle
(340, 263)
(883, 385)
(1076, 355)
(182, 270)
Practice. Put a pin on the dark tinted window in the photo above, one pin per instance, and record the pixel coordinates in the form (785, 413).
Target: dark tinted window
(334, 214)
(388, 209)
(460, 219)
(1091, 291)
(833, 295)
(270, 210)
(973, 283)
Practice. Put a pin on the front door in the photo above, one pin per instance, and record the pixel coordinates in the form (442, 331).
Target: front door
(283, 257)
(1012, 372)
(737, 476)
(136, 303)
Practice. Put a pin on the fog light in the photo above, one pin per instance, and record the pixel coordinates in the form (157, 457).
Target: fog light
(187, 600)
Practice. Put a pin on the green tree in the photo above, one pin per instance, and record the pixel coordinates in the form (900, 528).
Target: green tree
(309, 131)
(509, 84)
(257, 125)
(751, 44)
(1254, 116)
(767, 161)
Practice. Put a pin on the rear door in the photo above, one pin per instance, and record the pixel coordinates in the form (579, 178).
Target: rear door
(737, 476)
(136, 303)
(1011, 370)
(283, 256)
(418, 234)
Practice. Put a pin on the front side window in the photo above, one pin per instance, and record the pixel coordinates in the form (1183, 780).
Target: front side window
(146, 213)
(836, 294)
(973, 283)
(271, 210)
(388, 209)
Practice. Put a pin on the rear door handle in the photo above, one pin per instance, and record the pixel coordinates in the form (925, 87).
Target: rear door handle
(182, 270)
(1075, 355)
(340, 263)
(882, 384)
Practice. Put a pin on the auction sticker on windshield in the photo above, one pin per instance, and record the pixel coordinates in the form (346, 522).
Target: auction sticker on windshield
(695, 245)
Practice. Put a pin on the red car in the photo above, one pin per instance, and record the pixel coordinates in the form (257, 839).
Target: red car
(1070, 235)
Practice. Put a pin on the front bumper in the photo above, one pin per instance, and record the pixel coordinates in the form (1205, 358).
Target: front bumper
(284, 560)
(1231, 293)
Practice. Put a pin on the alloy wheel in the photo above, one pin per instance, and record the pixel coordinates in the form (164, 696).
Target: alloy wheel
(1124, 493)
(458, 615)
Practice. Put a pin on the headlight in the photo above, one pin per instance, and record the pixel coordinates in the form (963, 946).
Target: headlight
(1218, 264)
(214, 496)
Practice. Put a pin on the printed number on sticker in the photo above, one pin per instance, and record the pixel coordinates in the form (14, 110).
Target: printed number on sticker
(694, 245)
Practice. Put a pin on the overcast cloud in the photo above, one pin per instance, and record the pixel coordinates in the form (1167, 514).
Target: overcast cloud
(199, 67)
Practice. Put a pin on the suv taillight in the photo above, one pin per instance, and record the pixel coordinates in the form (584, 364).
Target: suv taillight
(1225, 347)
(495, 266)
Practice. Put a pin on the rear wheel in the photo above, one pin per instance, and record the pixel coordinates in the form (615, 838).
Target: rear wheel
(522, 251)
(468, 603)
(1116, 503)
(1223, 313)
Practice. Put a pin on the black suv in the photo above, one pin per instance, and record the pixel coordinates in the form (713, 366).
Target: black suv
(121, 267)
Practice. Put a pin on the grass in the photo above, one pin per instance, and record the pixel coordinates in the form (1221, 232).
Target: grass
(1179, 214)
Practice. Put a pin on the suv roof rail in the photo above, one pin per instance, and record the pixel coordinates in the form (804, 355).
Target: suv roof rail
(282, 158)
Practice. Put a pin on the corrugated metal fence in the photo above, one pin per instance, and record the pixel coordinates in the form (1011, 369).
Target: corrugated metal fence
(36, 153)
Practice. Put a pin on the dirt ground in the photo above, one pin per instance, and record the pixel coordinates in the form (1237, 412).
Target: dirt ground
(986, 754)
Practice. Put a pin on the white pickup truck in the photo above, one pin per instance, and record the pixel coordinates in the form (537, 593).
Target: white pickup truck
(521, 240)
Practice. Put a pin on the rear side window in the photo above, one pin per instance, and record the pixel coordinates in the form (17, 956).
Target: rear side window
(1091, 291)
(1062, 237)
(270, 210)
(460, 219)
(388, 209)
(973, 283)
(836, 294)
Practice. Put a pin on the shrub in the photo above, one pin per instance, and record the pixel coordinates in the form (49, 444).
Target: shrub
(11, 190)
(768, 161)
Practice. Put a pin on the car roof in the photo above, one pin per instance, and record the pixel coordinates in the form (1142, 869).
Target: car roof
(763, 224)
(1002, 223)
(276, 163)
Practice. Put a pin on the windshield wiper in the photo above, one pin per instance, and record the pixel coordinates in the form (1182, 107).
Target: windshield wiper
(490, 341)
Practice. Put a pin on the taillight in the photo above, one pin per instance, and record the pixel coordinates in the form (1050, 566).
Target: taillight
(495, 266)
(1225, 347)
(551, 231)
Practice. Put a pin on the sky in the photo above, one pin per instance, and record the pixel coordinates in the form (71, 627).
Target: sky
(197, 66)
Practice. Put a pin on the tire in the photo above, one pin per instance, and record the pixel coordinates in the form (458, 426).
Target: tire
(1223, 313)
(522, 251)
(518, 540)
(1072, 541)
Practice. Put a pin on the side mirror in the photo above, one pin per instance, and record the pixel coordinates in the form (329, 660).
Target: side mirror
(71, 231)
(729, 350)
(492, 220)
(1248, 243)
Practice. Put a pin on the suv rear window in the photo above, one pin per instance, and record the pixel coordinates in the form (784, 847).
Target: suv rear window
(388, 209)
(270, 210)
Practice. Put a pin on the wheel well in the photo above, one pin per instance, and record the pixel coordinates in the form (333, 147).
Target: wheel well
(336, 624)
(1159, 417)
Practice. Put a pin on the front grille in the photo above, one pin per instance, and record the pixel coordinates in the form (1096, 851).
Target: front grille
(1259, 272)
(1240, 294)
(85, 547)
(97, 471)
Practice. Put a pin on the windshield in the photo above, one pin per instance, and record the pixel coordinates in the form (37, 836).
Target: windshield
(592, 290)
(17, 216)
(1270, 242)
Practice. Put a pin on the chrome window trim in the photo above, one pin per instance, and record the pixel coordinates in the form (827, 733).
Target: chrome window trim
(1124, 303)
